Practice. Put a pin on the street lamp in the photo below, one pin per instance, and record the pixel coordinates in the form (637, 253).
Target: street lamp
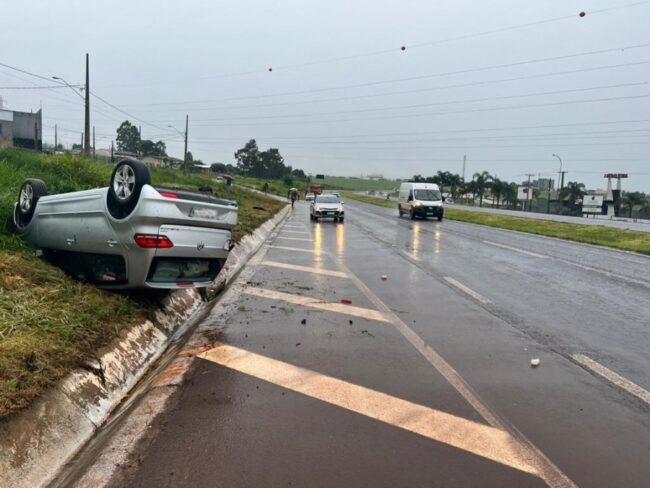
(69, 86)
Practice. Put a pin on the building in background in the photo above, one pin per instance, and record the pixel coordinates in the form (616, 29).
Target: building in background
(21, 129)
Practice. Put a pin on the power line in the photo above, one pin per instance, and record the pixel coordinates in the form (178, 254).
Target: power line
(392, 50)
(451, 102)
(374, 95)
(427, 114)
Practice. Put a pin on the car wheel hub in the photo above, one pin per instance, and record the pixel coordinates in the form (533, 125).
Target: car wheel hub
(26, 196)
(124, 182)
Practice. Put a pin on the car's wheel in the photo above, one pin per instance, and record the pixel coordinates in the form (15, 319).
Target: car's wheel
(30, 191)
(127, 180)
(412, 214)
(341, 220)
(439, 218)
(399, 209)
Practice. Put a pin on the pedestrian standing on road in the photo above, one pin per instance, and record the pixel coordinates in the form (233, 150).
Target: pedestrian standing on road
(294, 197)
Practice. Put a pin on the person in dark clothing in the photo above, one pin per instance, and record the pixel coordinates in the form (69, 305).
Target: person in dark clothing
(294, 197)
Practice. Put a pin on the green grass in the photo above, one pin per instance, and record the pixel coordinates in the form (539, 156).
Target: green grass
(276, 187)
(49, 323)
(349, 183)
(626, 240)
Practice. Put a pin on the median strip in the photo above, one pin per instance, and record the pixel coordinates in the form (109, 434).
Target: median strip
(306, 269)
(365, 313)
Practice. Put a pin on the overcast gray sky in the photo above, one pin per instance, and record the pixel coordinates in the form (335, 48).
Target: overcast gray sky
(343, 97)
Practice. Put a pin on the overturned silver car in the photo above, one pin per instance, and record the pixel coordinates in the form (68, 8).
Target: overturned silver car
(129, 235)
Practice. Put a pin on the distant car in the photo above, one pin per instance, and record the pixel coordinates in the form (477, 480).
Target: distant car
(129, 235)
(449, 201)
(309, 197)
(420, 200)
(326, 206)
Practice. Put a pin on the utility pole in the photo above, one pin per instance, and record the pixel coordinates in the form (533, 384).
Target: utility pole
(559, 193)
(82, 143)
(464, 163)
(35, 136)
(138, 152)
(56, 139)
(112, 157)
(528, 191)
(86, 141)
(548, 199)
(94, 152)
(187, 118)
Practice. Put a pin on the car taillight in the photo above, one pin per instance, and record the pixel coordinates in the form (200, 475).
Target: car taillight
(153, 241)
(168, 195)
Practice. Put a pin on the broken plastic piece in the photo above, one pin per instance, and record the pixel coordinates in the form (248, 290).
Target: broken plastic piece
(534, 362)
(384, 277)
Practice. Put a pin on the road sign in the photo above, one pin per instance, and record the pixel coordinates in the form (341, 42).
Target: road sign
(524, 193)
(592, 204)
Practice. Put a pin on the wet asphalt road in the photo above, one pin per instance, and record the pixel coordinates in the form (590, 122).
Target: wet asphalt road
(423, 379)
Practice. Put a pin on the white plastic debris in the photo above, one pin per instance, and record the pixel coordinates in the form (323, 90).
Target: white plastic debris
(384, 277)
(534, 362)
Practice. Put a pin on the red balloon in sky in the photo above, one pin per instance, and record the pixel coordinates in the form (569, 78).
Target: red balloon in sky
(582, 14)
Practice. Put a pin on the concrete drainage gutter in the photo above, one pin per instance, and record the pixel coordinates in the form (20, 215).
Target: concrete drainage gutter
(36, 443)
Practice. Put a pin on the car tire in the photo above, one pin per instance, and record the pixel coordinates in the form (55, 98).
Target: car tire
(399, 209)
(28, 195)
(341, 220)
(439, 218)
(127, 180)
(412, 214)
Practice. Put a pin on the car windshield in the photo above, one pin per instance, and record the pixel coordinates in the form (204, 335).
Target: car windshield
(327, 199)
(427, 195)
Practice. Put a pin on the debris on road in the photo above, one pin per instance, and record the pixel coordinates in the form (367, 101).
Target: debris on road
(345, 301)
(298, 343)
(384, 277)
(303, 321)
(350, 321)
(534, 362)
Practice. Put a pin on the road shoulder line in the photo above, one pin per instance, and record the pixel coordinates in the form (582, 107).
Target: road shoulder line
(614, 378)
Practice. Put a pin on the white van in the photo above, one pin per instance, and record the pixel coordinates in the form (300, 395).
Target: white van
(420, 200)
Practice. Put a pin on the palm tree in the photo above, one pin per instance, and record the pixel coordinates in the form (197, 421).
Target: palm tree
(498, 189)
(510, 194)
(455, 183)
(482, 182)
(470, 187)
(574, 191)
(632, 198)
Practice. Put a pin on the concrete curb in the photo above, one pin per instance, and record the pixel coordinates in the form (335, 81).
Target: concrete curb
(37, 443)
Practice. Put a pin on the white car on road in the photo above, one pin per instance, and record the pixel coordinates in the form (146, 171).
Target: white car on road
(326, 206)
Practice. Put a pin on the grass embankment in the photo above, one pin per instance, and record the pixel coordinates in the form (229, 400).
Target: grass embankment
(49, 324)
(276, 187)
(349, 183)
(626, 240)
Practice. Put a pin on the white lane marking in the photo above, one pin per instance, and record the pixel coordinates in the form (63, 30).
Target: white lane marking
(467, 290)
(365, 313)
(474, 437)
(286, 248)
(516, 249)
(612, 377)
(603, 272)
(550, 473)
(294, 227)
(295, 232)
(306, 269)
(294, 238)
